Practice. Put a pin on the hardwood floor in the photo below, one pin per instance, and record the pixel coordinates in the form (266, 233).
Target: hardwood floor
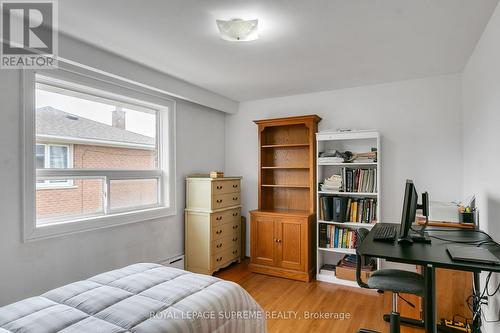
(292, 301)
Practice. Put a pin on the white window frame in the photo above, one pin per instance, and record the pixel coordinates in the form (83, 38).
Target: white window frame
(47, 184)
(102, 85)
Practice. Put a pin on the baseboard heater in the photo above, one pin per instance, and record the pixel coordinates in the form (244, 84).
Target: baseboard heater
(176, 262)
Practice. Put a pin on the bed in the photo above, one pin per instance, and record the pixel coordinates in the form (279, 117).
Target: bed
(141, 298)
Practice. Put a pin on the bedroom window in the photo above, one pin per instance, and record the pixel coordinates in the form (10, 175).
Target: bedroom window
(53, 156)
(99, 154)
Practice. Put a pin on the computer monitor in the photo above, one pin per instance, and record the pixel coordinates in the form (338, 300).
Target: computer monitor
(409, 212)
(410, 206)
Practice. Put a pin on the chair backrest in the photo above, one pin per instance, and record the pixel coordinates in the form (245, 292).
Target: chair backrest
(360, 260)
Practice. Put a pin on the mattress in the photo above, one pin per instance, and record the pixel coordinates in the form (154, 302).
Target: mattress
(141, 298)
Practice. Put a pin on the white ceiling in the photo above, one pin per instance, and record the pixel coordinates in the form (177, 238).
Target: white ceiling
(305, 45)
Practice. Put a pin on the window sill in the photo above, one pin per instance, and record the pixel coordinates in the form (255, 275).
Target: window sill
(95, 223)
(65, 187)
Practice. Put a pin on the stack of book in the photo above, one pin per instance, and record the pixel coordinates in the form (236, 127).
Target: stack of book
(331, 236)
(344, 209)
(362, 210)
(216, 174)
(359, 180)
(333, 183)
(327, 269)
(326, 160)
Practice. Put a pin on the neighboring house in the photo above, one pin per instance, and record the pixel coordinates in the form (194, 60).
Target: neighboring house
(64, 140)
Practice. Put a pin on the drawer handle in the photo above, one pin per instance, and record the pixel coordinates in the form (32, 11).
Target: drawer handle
(235, 198)
(235, 214)
(219, 200)
(235, 186)
(219, 246)
(218, 218)
(235, 251)
(235, 226)
(277, 240)
(235, 239)
(219, 187)
(219, 259)
(218, 232)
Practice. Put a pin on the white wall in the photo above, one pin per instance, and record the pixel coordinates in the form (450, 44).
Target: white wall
(481, 148)
(420, 123)
(33, 268)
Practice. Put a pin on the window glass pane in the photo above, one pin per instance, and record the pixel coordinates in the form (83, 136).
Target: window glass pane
(40, 156)
(131, 193)
(58, 157)
(83, 198)
(104, 134)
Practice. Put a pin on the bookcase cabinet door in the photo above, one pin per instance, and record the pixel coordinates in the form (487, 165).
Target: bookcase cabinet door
(263, 240)
(291, 244)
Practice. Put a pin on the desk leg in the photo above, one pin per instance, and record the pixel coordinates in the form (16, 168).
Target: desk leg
(476, 324)
(430, 299)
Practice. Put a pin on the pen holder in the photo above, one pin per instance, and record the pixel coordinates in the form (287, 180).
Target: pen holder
(467, 218)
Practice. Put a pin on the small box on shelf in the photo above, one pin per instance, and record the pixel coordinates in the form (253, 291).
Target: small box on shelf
(327, 269)
(349, 273)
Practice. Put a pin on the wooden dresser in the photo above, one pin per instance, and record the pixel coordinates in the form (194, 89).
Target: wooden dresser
(282, 234)
(212, 223)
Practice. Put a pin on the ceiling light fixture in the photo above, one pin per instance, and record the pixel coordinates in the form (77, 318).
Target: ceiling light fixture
(238, 30)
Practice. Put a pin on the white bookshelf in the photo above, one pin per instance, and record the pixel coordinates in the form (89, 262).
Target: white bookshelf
(356, 142)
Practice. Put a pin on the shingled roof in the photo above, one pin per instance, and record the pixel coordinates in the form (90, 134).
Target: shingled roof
(54, 123)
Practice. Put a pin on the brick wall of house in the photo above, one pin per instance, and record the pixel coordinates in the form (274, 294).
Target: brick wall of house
(85, 196)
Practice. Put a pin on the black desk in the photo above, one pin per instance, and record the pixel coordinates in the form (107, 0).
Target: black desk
(430, 257)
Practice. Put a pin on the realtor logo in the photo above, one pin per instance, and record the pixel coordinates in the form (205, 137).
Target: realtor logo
(29, 34)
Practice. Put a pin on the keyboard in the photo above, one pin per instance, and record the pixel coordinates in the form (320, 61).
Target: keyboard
(384, 233)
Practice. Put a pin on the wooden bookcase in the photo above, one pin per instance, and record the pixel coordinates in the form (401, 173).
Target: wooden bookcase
(282, 229)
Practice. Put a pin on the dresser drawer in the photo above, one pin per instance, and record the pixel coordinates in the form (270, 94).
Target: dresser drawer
(226, 230)
(222, 258)
(221, 245)
(225, 200)
(225, 186)
(226, 216)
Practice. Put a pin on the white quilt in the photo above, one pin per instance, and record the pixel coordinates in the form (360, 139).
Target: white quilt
(142, 298)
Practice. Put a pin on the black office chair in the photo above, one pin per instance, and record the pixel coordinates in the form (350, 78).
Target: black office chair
(394, 280)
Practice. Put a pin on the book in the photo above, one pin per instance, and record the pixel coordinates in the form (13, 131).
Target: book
(348, 209)
(321, 217)
(338, 235)
(328, 236)
(349, 180)
(339, 209)
(360, 210)
(354, 211)
(322, 235)
(327, 208)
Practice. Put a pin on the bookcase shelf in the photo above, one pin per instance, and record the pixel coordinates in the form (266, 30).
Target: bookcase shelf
(350, 194)
(337, 250)
(356, 142)
(287, 145)
(284, 167)
(331, 278)
(353, 164)
(349, 224)
(285, 186)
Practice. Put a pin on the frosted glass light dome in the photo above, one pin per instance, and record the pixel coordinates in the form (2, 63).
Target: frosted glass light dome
(238, 30)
